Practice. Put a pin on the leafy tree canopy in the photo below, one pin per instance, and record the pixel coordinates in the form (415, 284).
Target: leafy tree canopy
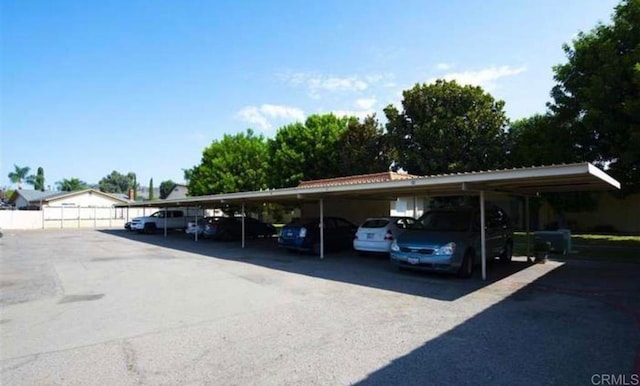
(118, 183)
(19, 174)
(151, 189)
(539, 140)
(71, 184)
(37, 180)
(165, 188)
(445, 127)
(597, 95)
(235, 163)
(307, 151)
(363, 147)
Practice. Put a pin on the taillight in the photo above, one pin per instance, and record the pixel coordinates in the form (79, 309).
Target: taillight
(388, 236)
(303, 232)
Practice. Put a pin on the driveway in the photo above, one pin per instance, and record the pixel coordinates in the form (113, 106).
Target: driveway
(91, 307)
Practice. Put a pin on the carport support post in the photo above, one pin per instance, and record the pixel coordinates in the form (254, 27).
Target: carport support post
(322, 228)
(243, 225)
(166, 212)
(196, 223)
(483, 235)
(527, 219)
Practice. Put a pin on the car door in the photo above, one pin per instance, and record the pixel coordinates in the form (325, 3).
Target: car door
(494, 232)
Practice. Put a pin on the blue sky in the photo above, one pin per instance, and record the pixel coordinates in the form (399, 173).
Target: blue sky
(88, 87)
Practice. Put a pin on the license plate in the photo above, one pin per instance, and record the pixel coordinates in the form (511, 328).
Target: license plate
(369, 235)
(413, 260)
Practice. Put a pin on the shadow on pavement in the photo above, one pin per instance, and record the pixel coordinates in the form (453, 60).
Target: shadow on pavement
(349, 267)
(569, 327)
(578, 321)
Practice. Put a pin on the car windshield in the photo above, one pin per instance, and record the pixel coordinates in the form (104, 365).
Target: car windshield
(445, 221)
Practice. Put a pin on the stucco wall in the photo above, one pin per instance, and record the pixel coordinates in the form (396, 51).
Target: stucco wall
(20, 219)
(618, 214)
(70, 217)
(355, 211)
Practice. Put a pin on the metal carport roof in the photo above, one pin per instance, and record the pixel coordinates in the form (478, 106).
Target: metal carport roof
(518, 181)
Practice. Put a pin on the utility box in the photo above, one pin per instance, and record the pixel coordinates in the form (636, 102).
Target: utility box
(559, 240)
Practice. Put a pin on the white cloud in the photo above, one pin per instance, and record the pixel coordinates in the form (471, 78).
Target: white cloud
(363, 108)
(485, 78)
(261, 116)
(317, 84)
(444, 66)
(365, 103)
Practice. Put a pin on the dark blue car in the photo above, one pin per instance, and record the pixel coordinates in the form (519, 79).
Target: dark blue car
(304, 235)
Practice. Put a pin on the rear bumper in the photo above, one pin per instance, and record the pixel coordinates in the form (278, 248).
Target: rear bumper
(293, 244)
(372, 246)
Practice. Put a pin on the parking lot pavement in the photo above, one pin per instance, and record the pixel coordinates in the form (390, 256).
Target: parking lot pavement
(111, 307)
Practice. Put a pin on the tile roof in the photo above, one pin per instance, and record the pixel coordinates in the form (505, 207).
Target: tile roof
(359, 179)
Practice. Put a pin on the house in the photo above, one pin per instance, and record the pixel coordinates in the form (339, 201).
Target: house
(178, 191)
(36, 199)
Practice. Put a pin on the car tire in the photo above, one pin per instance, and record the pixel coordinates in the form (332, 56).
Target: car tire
(507, 254)
(466, 269)
(315, 249)
(149, 228)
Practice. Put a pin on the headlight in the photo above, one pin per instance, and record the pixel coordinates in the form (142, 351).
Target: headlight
(303, 232)
(447, 249)
(394, 246)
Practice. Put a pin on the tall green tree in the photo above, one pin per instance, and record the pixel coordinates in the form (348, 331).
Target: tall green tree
(445, 127)
(539, 140)
(37, 180)
(597, 95)
(165, 188)
(363, 147)
(118, 183)
(234, 164)
(307, 151)
(151, 189)
(71, 184)
(19, 175)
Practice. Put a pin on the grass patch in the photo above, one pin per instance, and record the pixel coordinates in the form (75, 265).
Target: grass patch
(592, 247)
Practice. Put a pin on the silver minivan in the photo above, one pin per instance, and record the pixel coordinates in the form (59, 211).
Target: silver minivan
(448, 240)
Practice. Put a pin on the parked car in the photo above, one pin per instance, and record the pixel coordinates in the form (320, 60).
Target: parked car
(377, 234)
(304, 235)
(230, 228)
(174, 219)
(449, 240)
(194, 227)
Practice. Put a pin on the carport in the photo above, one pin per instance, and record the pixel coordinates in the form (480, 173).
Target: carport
(523, 182)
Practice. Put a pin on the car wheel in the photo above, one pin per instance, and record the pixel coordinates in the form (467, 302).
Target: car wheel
(316, 249)
(149, 228)
(507, 254)
(466, 269)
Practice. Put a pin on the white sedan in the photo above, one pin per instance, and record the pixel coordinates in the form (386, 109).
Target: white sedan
(377, 234)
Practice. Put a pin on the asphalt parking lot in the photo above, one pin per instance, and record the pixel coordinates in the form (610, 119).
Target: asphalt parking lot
(91, 307)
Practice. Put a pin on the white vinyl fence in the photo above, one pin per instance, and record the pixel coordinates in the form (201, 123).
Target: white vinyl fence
(66, 217)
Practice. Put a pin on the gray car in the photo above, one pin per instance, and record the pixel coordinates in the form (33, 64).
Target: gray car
(448, 240)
